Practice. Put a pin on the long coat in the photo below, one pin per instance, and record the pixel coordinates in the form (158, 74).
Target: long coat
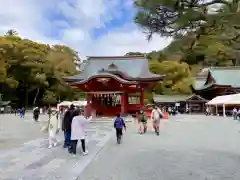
(54, 125)
(79, 124)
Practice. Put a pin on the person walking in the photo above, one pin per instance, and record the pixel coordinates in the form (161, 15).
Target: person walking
(119, 124)
(78, 132)
(22, 112)
(156, 115)
(143, 122)
(36, 113)
(53, 128)
(66, 126)
(235, 113)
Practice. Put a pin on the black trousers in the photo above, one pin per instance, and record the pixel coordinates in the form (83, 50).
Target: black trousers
(118, 132)
(74, 146)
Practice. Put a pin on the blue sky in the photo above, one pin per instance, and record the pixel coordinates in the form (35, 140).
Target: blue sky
(92, 27)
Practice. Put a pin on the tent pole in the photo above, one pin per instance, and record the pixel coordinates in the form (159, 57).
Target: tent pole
(224, 110)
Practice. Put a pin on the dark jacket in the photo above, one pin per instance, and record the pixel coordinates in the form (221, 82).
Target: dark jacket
(36, 112)
(67, 120)
(119, 123)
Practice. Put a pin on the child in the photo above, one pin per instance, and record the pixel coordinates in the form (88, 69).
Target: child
(78, 132)
(53, 129)
(118, 125)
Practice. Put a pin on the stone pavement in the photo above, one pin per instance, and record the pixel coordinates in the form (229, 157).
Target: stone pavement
(14, 131)
(190, 147)
(32, 160)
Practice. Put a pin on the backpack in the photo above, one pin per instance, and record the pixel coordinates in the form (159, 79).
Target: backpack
(118, 122)
(143, 118)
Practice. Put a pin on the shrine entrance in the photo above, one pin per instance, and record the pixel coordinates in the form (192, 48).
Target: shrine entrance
(105, 103)
(112, 103)
(113, 86)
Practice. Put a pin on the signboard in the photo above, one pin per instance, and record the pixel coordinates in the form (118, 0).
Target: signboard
(177, 104)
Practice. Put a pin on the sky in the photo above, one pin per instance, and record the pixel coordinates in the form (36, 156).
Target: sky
(91, 27)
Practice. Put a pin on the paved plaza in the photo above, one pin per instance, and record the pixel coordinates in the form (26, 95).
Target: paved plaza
(189, 147)
(28, 158)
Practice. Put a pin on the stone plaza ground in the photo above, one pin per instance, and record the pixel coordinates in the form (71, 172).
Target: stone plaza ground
(190, 147)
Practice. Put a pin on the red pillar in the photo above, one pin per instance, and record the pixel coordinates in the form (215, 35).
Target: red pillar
(141, 98)
(88, 107)
(89, 97)
(123, 103)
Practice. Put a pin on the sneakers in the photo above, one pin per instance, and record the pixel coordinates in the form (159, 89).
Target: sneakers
(52, 145)
(85, 153)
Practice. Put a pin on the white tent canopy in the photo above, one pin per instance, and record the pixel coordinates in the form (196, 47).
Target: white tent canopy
(226, 99)
(65, 103)
(79, 103)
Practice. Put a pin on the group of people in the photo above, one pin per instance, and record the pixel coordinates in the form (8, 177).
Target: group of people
(20, 112)
(73, 124)
(156, 116)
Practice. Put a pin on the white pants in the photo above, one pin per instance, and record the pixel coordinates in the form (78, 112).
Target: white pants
(52, 140)
(52, 137)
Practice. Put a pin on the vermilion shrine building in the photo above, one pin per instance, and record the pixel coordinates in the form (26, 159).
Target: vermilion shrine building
(114, 84)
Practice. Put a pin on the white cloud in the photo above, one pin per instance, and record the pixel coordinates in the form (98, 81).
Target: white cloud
(71, 21)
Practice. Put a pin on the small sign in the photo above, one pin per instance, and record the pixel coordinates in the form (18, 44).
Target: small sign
(177, 104)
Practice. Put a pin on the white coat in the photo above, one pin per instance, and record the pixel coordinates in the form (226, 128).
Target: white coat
(54, 126)
(79, 124)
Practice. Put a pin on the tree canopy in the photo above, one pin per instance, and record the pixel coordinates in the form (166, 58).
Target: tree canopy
(202, 30)
(204, 33)
(31, 69)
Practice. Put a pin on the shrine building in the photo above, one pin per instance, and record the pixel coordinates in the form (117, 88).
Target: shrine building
(217, 81)
(114, 84)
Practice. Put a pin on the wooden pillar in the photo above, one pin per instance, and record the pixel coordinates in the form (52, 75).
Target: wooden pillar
(89, 98)
(216, 110)
(123, 103)
(141, 98)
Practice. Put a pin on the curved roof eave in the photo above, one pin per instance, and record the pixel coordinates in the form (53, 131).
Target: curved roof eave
(107, 75)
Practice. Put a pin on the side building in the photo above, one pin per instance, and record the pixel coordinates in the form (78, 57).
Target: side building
(217, 81)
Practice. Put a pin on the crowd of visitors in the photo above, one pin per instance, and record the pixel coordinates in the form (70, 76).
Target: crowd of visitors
(73, 124)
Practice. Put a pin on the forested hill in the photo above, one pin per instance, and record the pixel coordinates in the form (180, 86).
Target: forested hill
(30, 72)
(204, 33)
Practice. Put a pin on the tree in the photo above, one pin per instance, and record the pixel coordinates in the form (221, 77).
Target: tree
(177, 77)
(32, 69)
(178, 17)
(11, 32)
(135, 54)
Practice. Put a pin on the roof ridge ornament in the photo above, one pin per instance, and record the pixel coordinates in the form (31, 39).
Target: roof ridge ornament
(112, 66)
(101, 70)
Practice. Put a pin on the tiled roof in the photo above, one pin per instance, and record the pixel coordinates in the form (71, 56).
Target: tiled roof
(132, 68)
(175, 98)
(224, 76)
(169, 98)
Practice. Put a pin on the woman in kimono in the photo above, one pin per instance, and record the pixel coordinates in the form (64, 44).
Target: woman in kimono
(53, 128)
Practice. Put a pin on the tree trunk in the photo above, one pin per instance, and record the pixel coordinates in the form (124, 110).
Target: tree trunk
(35, 98)
(26, 96)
